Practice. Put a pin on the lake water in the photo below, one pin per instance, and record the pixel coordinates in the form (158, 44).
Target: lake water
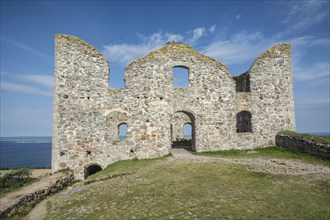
(31, 152)
(34, 152)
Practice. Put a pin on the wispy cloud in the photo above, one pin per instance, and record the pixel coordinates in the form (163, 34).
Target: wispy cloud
(27, 48)
(303, 14)
(197, 33)
(239, 48)
(238, 16)
(317, 70)
(123, 54)
(29, 83)
(44, 80)
(7, 86)
(126, 53)
(212, 29)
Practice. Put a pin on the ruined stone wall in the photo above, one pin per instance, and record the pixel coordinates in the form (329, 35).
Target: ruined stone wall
(272, 94)
(87, 113)
(305, 145)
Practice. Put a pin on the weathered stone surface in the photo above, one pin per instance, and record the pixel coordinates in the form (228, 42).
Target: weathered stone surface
(87, 113)
(303, 145)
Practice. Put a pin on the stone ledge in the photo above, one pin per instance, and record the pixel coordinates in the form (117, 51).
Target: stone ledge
(303, 145)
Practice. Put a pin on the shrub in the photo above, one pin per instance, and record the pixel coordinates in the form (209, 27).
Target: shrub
(15, 179)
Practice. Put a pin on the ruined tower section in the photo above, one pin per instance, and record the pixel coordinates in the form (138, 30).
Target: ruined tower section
(271, 83)
(81, 83)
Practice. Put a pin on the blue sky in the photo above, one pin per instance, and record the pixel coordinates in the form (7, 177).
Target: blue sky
(233, 32)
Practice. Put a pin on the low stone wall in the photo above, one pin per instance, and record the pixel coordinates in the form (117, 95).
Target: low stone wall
(303, 145)
(14, 201)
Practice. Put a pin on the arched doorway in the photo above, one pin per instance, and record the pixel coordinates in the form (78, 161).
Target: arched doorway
(92, 169)
(183, 130)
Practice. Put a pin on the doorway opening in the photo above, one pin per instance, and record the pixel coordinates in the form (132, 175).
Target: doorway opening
(183, 130)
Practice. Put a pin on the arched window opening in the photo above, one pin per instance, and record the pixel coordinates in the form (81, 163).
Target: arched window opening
(180, 77)
(122, 131)
(92, 169)
(187, 131)
(243, 122)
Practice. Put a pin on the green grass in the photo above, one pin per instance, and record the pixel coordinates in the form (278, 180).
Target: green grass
(268, 152)
(122, 168)
(316, 138)
(161, 189)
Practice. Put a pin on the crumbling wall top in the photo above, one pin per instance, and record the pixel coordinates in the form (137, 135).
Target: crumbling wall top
(276, 50)
(173, 48)
(72, 40)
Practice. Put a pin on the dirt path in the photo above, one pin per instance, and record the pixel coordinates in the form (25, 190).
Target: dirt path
(38, 212)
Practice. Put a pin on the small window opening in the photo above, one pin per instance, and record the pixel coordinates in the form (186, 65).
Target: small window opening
(116, 78)
(122, 131)
(242, 82)
(187, 131)
(180, 77)
(243, 122)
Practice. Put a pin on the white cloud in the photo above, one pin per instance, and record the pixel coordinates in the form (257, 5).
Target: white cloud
(317, 70)
(197, 34)
(237, 49)
(28, 49)
(123, 54)
(238, 17)
(7, 86)
(244, 46)
(126, 53)
(303, 14)
(212, 29)
(44, 80)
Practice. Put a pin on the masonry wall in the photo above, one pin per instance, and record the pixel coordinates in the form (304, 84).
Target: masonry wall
(305, 145)
(272, 94)
(87, 113)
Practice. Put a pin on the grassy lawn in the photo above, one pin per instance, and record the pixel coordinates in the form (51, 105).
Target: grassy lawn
(186, 189)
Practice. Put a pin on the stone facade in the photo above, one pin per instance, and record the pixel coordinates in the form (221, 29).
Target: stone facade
(87, 114)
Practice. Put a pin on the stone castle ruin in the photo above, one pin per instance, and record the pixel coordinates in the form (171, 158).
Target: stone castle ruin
(224, 112)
